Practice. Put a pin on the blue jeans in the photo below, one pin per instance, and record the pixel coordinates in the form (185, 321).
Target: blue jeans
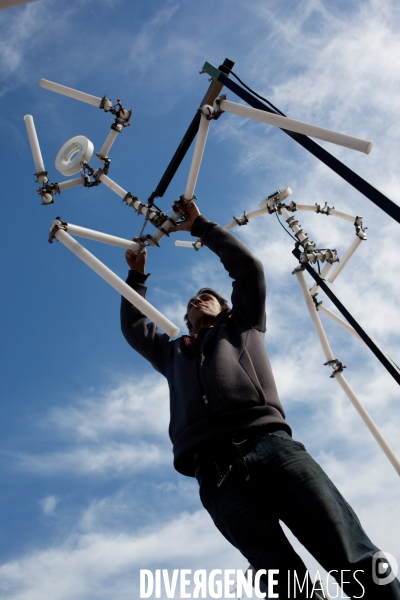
(248, 486)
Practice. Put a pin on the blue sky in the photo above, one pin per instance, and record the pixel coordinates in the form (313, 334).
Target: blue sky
(89, 494)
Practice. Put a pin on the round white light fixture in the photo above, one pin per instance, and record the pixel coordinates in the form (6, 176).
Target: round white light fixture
(70, 156)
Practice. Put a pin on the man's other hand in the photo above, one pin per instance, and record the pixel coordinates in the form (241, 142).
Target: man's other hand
(136, 262)
(191, 211)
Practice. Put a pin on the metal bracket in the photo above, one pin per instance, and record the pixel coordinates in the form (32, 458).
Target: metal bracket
(40, 174)
(314, 298)
(122, 115)
(336, 365)
(272, 201)
(243, 220)
(129, 198)
(210, 70)
(47, 191)
(104, 104)
(58, 223)
(329, 256)
(325, 210)
(184, 200)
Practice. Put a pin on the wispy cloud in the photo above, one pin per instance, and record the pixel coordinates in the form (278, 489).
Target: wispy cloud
(134, 406)
(107, 458)
(144, 51)
(22, 28)
(96, 562)
(121, 431)
(49, 504)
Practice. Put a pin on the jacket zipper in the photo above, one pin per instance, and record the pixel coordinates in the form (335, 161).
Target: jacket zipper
(200, 381)
(199, 364)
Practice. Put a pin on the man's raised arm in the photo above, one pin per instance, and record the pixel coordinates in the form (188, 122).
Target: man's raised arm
(141, 335)
(248, 288)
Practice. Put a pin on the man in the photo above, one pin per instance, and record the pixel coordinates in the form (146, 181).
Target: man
(228, 429)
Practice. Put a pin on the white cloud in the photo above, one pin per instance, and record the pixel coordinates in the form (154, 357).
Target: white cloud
(123, 430)
(96, 563)
(107, 458)
(144, 51)
(134, 407)
(49, 504)
(22, 28)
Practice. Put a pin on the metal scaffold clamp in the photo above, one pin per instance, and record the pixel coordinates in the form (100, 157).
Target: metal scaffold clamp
(336, 365)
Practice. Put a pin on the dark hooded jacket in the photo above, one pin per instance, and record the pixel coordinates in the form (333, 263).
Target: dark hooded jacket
(226, 385)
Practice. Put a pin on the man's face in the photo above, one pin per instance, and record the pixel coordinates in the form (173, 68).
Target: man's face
(203, 310)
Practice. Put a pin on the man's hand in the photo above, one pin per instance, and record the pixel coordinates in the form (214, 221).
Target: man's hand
(191, 211)
(137, 262)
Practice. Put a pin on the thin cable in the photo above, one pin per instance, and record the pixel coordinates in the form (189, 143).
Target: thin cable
(255, 93)
(284, 228)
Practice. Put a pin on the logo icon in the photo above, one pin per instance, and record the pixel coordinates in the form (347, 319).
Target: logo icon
(384, 568)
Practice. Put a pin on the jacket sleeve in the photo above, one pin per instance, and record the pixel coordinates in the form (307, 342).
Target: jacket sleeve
(246, 270)
(142, 335)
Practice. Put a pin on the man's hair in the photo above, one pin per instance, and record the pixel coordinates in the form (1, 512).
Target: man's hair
(222, 302)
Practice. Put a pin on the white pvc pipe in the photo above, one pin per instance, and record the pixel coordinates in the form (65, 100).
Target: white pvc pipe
(197, 156)
(369, 422)
(309, 207)
(287, 216)
(345, 259)
(314, 316)
(110, 139)
(184, 244)
(295, 226)
(194, 245)
(324, 273)
(66, 185)
(136, 204)
(332, 212)
(228, 227)
(35, 148)
(112, 279)
(114, 187)
(339, 376)
(249, 216)
(71, 93)
(98, 236)
(341, 215)
(320, 133)
(339, 321)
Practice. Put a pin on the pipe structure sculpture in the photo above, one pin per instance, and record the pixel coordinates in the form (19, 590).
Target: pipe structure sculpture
(74, 157)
